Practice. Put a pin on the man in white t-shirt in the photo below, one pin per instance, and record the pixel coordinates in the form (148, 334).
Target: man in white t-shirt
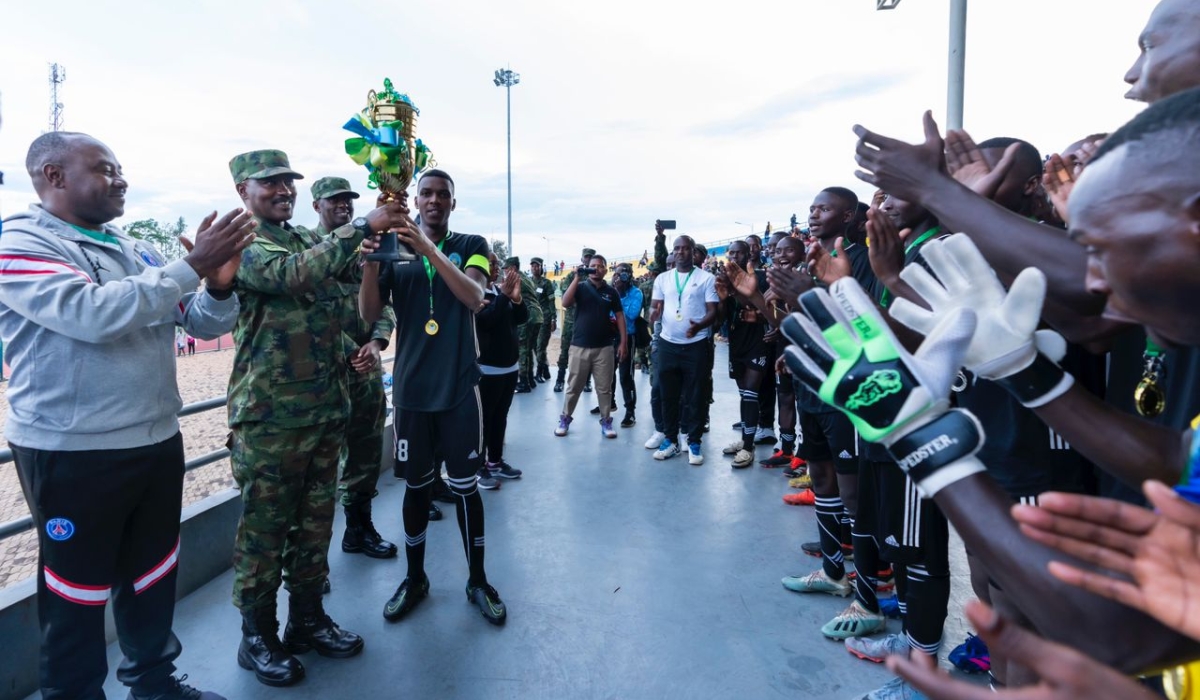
(685, 301)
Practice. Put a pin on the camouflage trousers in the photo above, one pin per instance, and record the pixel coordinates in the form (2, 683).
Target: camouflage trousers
(568, 330)
(527, 335)
(287, 477)
(364, 439)
(543, 342)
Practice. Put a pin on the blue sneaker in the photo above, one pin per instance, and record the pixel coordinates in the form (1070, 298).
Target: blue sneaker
(694, 457)
(971, 656)
(895, 689)
(666, 450)
(890, 607)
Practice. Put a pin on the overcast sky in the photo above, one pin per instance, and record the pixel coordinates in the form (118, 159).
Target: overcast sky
(627, 111)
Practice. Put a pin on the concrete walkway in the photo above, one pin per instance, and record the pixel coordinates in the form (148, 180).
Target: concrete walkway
(624, 578)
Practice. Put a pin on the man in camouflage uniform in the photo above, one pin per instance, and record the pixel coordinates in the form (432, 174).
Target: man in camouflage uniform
(288, 407)
(568, 327)
(543, 290)
(527, 333)
(647, 286)
(333, 200)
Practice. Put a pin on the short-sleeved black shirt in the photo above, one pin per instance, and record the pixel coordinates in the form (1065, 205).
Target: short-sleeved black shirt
(594, 327)
(433, 372)
(746, 325)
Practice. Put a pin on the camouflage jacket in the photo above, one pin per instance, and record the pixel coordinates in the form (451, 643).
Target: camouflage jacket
(568, 314)
(532, 300)
(357, 332)
(289, 366)
(545, 298)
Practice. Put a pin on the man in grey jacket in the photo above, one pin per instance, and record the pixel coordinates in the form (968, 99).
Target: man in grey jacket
(87, 315)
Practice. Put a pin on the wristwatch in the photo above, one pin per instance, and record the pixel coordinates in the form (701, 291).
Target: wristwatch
(360, 226)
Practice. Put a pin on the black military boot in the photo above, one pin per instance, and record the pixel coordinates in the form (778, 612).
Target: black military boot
(543, 372)
(522, 385)
(262, 652)
(558, 384)
(310, 629)
(361, 535)
(587, 386)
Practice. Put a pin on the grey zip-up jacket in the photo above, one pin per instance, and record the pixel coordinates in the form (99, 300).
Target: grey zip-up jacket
(88, 322)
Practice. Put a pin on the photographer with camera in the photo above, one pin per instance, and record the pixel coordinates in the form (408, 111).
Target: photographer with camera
(591, 351)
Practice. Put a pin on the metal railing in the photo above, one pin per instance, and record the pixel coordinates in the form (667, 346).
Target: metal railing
(16, 527)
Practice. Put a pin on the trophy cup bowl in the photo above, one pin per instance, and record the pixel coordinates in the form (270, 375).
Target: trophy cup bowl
(393, 186)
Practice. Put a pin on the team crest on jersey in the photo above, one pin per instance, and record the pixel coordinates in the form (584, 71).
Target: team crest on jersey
(150, 258)
(456, 259)
(60, 529)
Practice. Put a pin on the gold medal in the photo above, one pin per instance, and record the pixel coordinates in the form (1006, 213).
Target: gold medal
(1148, 397)
(679, 316)
(431, 328)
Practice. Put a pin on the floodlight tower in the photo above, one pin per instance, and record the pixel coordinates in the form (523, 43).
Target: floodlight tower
(507, 78)
(58, 76)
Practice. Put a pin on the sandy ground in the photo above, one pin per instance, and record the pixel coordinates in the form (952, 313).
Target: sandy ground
(201, 376)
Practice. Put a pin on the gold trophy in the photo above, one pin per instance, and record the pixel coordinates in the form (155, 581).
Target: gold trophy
(387, 145)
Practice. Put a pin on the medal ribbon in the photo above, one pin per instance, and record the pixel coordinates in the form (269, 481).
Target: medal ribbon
(431, 271)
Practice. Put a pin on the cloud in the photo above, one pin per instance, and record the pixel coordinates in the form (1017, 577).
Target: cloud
(781, 109)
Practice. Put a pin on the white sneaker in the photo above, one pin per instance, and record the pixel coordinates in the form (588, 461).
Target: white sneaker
(764, 436)
(666, 450)
(743, 459)
(655, 440)
(732, 448)
(694, 457)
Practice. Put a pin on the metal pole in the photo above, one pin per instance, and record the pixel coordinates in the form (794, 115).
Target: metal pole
(957, 68)
(508, 110)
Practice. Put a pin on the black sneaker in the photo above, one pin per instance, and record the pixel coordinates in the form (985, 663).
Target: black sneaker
(588, 386)
(813, 549)
(486, 480)
(595, 411)
(405, 599)
(738, 426)
(504, 470)
(628, 421)
(175, 689)
(488, 601)
(435, 513)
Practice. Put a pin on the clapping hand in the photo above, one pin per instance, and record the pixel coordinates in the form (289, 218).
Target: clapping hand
(217, 252)
(1150, 559)
(787, 284)
(826, 267)
(967, 165)
(743, 282)
(887, 246)
(511, 285)
(1064, 674)
(900, 168)
(1061, 173)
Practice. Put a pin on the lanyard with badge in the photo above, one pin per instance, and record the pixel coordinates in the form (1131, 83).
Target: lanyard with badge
(431, 328)
(679, 288)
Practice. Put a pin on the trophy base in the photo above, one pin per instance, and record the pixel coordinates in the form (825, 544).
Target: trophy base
(392, 250)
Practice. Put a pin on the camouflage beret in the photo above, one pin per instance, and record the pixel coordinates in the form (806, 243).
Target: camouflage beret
(513, 261)
(258, 165)
(589, 252)
(539, 261)
(328, 187)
